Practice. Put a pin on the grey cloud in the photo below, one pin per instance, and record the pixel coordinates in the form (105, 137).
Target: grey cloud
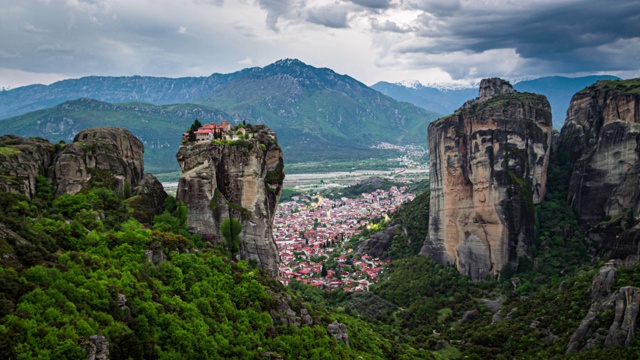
(57, 48)
(275, 10)
(211, 2)
(565, 36)
(373, 4)
(435, 7)
(329, 16)
(34, 30)
(389, 26)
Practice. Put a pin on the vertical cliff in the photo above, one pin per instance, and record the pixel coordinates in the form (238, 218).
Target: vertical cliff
(601, 137)
(488, 169)
(239, 179)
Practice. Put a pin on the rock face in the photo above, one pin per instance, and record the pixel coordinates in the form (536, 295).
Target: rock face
(241, 180)
(601, 137)
(148, 199)
(97, 348)
(103, 156)
(338, 331)
(379, 242)
(286, 315)
(599, 330)
(108, 157)
(23, 160)
(488, 168)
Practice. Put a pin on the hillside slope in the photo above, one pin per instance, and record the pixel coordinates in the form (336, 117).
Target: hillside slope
(154, 90)
(159, 128)
(317, 113)
(315, 110)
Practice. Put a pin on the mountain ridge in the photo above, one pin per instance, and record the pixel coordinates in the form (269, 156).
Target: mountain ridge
(445, 99)
(318, 113)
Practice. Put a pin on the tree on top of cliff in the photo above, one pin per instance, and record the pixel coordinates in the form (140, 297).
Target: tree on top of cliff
(192, 136)
(196, 125)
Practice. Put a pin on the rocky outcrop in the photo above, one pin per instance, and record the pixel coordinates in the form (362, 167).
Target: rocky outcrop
(598, 329)
(109, 157)
(99, 157)
(239, 179)
(148, 199)
(379, 242)
(23, 160)
(287, 316)
(488, 168)
(97, 348)
(338, 331)
(601, 137)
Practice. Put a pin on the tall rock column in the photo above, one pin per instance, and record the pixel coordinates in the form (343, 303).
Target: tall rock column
(239, 179)
(488, 168)
(601, 137)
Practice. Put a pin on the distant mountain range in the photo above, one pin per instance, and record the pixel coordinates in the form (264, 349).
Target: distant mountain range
(317, 113)
(557, 89)
(160, 128)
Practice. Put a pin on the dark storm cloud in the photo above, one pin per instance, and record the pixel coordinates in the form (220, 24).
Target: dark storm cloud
(375, 39)
(569, 36)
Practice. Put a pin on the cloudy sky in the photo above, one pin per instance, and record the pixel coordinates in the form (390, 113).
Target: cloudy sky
(42, 41)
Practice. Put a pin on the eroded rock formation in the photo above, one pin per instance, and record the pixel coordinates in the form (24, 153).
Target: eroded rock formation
(597, 329)
(379, 242)
(104, 156)
(488, 169)
(23, 160)
(241, 180)
(97, 348)
(148, 199)
(338, 331)
(601, 137)
(99, 157)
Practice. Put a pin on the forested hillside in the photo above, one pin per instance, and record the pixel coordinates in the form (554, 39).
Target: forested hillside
(78, 268)
(532, 312)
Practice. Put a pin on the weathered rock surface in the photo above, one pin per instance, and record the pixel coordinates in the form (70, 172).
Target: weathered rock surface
(601, 136)
(471, 315)
(148, 199)
(241, 181)
(338, 331)
(97, 348)
(108, 157)
(379, 242)
(488, 168)
(595, 330)
(286, 315)
(23, 160)
(111, 157)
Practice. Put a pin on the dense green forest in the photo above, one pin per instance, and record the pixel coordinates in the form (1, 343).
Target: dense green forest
(75, 266)
(91, 264)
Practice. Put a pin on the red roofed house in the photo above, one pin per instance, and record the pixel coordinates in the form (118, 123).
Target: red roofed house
(205, 133)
